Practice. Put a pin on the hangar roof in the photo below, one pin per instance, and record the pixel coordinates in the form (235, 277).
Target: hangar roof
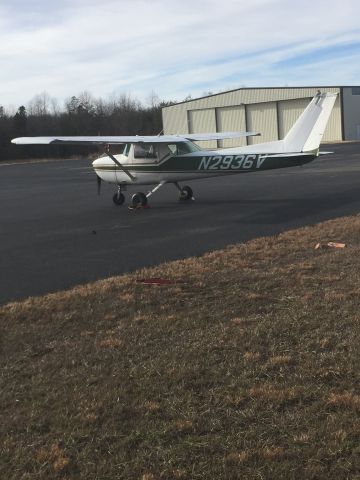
(247, 89)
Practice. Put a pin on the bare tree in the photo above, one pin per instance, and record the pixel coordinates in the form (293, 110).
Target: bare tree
(55, 108)
(86, 102)
(127, 103)
(83, 114)
(40, 105)
(153, 100)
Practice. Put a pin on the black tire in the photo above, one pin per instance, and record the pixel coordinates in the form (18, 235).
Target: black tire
(118, 198)
(138, 199)
(186, 193)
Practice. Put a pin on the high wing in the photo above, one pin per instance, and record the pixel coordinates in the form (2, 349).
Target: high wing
(197, 137)
(112, 140)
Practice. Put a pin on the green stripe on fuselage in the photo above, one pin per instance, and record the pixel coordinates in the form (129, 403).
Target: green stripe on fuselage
(216, 163)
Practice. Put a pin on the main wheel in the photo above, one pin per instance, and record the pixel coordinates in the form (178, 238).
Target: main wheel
(138, 199)
(186, 193)
(118, 198)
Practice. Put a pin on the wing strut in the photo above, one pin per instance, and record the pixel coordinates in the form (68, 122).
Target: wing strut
(125, 170)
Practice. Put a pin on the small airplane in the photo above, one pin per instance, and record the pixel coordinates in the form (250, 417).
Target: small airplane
(157, 160)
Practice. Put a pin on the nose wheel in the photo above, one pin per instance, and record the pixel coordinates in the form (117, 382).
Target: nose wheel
(119, 197)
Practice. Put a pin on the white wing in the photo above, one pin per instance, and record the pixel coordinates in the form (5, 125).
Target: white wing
(112, 140)
(218, 136)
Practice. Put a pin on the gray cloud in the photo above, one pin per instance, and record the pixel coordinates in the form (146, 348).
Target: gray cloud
(170, 47)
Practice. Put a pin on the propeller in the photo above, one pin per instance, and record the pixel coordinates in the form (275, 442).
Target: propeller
(98, 184)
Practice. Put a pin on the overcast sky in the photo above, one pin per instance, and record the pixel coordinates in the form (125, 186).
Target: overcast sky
(174, 48)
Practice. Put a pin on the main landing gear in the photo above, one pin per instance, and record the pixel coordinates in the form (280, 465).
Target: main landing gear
(186, 192)
(139, 199)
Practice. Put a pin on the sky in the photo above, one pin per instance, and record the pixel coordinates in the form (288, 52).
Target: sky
(173, 49)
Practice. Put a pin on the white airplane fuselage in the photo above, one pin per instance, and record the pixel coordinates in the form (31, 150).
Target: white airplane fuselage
(193, 166)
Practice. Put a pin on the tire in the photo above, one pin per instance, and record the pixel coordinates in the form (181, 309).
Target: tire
(186, 193)
(138, 199)
(118, 198)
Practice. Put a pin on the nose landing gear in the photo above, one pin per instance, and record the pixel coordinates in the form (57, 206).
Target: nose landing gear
(119, 197)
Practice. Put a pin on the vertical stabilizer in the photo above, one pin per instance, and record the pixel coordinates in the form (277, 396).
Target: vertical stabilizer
(307, 132)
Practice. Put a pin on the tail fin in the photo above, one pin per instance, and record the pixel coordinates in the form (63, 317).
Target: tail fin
(307, 132)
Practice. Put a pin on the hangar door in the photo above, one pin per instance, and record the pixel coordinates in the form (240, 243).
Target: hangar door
(231, 119)
(262, 117)
(203, 121)
(333, 130)
(289, 112)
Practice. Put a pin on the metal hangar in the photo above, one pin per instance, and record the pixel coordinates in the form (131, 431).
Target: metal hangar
(270, 111)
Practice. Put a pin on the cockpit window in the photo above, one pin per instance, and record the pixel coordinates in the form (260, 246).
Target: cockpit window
(182, 148)
(145, 150)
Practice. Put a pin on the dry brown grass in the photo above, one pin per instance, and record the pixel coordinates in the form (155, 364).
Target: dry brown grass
(246, 365)
(345, 400)
(252, 356)
(280, 360)
(54, 456)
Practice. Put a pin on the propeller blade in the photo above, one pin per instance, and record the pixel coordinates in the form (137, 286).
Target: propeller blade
(98, 184)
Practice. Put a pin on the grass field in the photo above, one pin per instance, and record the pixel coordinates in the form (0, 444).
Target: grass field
(246, 366)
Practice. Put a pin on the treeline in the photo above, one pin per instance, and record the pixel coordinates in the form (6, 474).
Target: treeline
(80, 115)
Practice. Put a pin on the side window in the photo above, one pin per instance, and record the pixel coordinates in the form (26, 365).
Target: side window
(145, 151)
(139, 152)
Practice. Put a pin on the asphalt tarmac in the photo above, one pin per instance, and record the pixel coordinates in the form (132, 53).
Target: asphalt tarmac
(56, 232)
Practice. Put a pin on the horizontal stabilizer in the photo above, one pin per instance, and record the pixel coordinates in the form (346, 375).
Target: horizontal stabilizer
(299, 154)
(287, 155)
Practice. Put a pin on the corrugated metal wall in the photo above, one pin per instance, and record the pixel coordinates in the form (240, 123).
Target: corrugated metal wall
(203, 121)
(262, 118)
(230, 119)
(333, 128)
(289, 112)
(247, 96)
(351, 99)
(272, 111)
